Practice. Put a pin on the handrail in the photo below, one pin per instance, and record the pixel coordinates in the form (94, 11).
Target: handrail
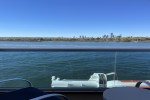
(74, 49)
(12, 79)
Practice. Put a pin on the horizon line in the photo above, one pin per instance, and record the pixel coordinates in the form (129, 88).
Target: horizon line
(62, 36)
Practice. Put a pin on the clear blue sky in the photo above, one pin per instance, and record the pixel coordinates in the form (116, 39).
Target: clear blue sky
(67, 18)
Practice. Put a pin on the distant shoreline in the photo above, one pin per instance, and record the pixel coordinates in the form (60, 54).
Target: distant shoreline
(84, 39)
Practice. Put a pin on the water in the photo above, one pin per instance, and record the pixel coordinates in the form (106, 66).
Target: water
(38, 67)
(72, 44)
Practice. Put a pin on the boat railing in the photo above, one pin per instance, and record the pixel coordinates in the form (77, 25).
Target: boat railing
(74, 49)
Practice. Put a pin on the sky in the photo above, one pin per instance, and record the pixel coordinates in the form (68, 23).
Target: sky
(68, 18)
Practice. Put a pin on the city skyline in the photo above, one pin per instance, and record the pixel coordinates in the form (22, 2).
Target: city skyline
(68, 18)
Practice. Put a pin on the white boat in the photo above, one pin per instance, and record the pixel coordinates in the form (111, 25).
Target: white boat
(96, 80)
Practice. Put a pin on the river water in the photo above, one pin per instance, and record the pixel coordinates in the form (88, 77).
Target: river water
(38, 67)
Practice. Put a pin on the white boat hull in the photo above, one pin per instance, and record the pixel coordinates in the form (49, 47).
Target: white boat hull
(96, 80)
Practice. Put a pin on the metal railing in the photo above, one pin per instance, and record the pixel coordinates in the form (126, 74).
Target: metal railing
(75, 49)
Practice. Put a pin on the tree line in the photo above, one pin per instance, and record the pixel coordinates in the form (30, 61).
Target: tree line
(104, 38)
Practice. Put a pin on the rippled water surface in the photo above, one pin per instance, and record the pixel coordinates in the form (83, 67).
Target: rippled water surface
(38, 67)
